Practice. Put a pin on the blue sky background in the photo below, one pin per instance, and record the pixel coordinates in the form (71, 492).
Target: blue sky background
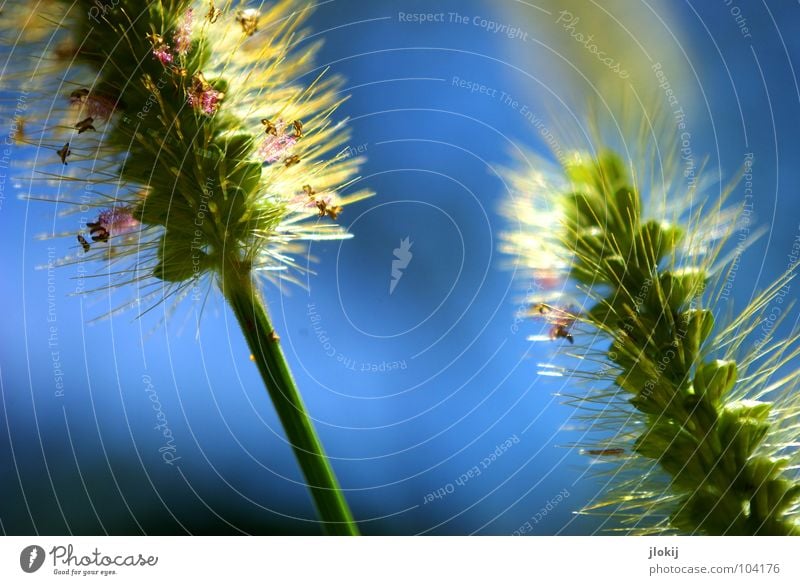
(423, 384)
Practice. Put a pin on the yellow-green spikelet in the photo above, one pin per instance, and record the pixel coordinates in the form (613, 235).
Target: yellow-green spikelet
(194, 177)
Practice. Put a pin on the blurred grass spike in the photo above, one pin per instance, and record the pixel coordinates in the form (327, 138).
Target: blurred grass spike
(610, 50)
(185, 186)
(712, 430)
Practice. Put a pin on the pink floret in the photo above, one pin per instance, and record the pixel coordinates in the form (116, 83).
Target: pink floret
(183, 36)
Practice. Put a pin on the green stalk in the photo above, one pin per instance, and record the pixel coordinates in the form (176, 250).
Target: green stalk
(250, 311)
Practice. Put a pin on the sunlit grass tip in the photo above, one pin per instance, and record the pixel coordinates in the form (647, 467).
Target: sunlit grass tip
(695, 427)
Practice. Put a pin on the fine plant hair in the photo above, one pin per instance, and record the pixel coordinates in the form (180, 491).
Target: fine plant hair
(694, 420)
(194, 148)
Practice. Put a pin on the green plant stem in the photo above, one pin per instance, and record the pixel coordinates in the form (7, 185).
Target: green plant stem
(250, 311)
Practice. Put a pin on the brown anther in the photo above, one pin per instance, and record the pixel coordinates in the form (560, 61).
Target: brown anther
(541, 308)
(85, 125)
(64, 152)
(561, 332)
(213, 13)
(155, 39)
(19, 136)
(84, 244)
(249, 21)
(98, 232)
(270, 128)
(334, 211)
(79, 95)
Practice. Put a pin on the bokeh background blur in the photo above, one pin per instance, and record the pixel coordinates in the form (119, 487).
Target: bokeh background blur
(412, 389)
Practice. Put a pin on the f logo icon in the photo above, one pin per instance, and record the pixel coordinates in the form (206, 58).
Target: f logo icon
(31, 558)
